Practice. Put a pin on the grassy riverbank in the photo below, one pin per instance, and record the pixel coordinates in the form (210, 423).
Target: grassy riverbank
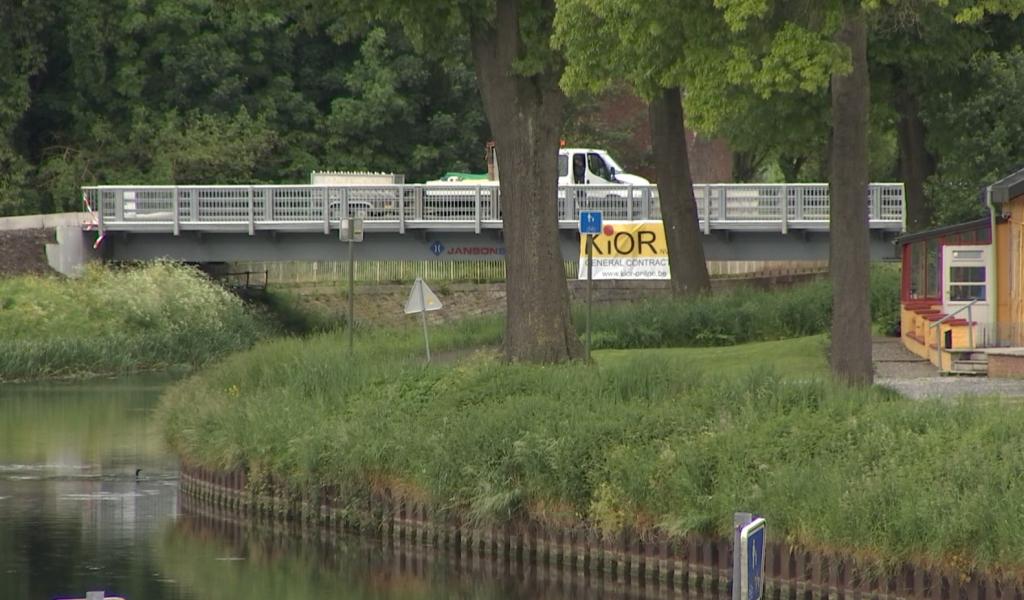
(113, 321)
(666, 439)
(740, 315)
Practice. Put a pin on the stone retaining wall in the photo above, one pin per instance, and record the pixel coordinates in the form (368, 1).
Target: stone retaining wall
(1006, 363)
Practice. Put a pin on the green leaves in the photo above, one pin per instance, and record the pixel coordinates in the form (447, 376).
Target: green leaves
(739, 13)
(164, 91)
(799, 59)
(978, 133)
(975, 11)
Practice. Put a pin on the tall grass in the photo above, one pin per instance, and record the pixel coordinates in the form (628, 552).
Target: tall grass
(117, 321)
(725, 318)
(736, 317)
(640, 441)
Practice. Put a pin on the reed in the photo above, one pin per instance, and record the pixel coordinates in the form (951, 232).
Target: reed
(118, 320)
(650, 440)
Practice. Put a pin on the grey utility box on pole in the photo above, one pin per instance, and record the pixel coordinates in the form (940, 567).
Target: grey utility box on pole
(351, 231)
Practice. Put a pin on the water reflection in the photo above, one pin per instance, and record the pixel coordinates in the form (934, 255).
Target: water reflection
(75, 517)
(218, 560)
(73, 514)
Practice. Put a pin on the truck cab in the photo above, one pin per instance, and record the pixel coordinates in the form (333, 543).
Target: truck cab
(590, 166)
(579, 166)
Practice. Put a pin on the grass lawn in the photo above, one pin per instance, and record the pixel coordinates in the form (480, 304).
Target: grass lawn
(799, 358)
(668, 439)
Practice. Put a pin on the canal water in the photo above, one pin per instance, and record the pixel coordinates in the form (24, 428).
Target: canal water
(88, 501)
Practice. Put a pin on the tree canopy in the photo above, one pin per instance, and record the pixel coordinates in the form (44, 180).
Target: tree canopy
(161, 91)
(164, 91)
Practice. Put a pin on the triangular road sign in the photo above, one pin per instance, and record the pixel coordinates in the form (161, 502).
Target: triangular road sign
(421, 298)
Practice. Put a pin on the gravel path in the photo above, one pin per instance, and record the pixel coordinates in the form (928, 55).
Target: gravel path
(914, 377)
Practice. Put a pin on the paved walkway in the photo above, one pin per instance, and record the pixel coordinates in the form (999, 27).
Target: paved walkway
(914, 377)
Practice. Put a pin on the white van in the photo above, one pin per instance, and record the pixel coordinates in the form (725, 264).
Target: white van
(603, 186)
(583, 166)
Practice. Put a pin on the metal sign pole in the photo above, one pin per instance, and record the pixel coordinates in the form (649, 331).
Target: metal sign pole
(748, 583)
(423, 318)
(590, 286)
(351, 230)
(351, 293)
(739, 521)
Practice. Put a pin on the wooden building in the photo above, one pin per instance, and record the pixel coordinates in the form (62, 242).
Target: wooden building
(963, 288)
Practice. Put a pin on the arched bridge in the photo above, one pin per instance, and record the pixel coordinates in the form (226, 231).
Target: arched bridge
(453, 221)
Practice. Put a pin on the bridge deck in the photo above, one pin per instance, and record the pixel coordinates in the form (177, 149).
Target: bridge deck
(460, 207)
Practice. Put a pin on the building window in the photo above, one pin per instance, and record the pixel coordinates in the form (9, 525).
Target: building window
(967, 275)
(917, 270)
(932, 267)
(966, 293)
(966, 284)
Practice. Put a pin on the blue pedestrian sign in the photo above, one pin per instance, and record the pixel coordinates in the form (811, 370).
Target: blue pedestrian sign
(590, 222)
(752, 541)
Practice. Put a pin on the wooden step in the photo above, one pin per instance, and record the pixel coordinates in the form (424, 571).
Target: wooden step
(963, 373)
(970, 366)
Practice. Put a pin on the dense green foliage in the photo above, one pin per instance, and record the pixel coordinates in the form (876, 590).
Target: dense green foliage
(885, 298)
(978, 133)
(723, 319)
(118, 321)
(740, 316)
(642, 439)
(109, 92)
(164, 91)
(746, 314)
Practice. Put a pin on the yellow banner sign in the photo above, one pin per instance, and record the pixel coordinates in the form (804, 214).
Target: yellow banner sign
(628, 250)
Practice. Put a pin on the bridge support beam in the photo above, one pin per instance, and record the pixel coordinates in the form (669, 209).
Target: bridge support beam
(72, 251)
(438, 245)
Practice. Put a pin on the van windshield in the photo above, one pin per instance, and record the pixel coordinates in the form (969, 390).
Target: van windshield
(612, 164)
(598, 166)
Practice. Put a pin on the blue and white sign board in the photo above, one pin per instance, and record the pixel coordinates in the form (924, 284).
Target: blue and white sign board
(590, 222)
(751, 565)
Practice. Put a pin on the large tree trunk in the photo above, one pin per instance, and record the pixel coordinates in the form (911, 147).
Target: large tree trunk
(675, 189)
(525, 113)
(916, 164)
(849, 254)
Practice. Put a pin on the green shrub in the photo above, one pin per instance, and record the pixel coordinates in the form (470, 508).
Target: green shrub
(736, 317)
(118, 320)
(885, 298)
(722, 319)
(295, 317)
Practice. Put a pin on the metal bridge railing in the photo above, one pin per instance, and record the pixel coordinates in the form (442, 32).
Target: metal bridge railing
(240, 208)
